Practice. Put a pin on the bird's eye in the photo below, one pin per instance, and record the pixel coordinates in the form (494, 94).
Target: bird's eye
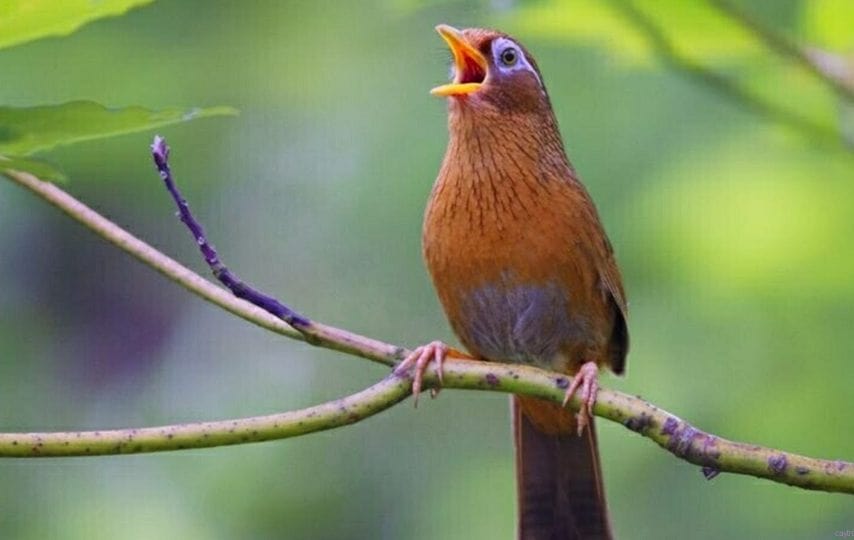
(509, 56)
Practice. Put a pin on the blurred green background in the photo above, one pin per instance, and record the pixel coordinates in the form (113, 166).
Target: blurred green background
(734, 230)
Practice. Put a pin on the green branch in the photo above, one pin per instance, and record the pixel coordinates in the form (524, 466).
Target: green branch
(713, 453)
(326, 336)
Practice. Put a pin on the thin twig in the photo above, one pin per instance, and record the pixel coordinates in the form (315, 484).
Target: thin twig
(327, 336)
(313, 333)
(785, 47)
(160, 153)
(713, 453)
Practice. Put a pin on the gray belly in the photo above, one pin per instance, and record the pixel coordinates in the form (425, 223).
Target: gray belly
(520, 323)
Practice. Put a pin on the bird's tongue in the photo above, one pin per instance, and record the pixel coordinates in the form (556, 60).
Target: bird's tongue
(468, 80)
(471, 72)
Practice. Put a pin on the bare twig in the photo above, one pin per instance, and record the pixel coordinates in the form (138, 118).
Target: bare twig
(160, 153)
(713, 453)
(327, 336)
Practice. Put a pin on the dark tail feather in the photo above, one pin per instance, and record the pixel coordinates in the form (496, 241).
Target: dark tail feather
(558, 476)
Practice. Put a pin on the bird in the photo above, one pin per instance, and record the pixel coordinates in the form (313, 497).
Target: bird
(525, 274)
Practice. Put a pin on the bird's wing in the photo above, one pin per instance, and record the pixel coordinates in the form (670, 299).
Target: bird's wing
(612, 285)
(600, 255)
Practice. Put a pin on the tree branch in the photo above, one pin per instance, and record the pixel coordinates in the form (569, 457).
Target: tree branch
(326, 336)
(713, 453)
(670, 56)
(683, 440)
(785, 47)
(160, 153)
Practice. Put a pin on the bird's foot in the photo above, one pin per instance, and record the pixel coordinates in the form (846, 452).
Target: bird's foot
(587, 380)
(420, 358)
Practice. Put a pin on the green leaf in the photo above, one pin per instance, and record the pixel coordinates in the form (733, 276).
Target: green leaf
(26, 130)
(38, 168)
(27, 20)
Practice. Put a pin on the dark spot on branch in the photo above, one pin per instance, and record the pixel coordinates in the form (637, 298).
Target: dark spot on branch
(492, 379)
(801, 470)
(639, 423)
(670, 426)
(14, 443)
(778, 464)
(681, 442)
(562, 383)
(710, 472)
(684, 440)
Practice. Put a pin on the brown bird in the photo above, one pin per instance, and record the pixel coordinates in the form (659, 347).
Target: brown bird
(524, 272)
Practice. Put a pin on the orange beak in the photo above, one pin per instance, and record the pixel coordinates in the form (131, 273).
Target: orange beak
(470, 65)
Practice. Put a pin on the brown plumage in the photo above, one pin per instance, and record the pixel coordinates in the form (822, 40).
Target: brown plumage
(525, 272)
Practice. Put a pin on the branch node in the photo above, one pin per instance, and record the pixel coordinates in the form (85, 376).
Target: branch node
(710, 472)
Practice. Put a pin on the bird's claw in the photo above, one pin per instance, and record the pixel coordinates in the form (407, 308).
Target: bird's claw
(420, 358)
(587, 380)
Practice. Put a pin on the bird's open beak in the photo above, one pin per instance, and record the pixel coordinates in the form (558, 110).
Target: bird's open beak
(469, 62)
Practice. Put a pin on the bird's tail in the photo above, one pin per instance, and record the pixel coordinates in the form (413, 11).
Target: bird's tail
(558, 476)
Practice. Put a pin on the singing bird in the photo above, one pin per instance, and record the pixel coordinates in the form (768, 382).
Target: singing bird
(524, 272)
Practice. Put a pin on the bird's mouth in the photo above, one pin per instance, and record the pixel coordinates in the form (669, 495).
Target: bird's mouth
(470, 65)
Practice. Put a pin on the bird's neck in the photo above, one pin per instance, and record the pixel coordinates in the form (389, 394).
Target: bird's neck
(500, 166)
(498, 141)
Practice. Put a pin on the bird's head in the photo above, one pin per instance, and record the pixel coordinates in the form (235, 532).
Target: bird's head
(491, 70)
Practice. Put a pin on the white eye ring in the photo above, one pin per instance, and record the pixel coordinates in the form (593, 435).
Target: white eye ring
(508, 57)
